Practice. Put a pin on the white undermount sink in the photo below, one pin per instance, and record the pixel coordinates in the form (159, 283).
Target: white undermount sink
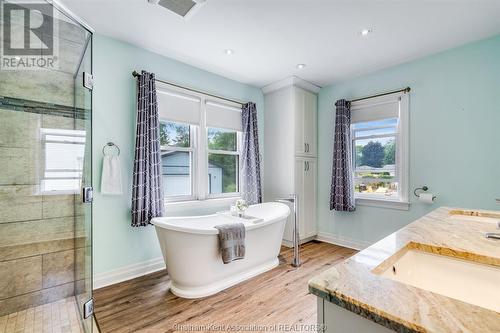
(464, 280)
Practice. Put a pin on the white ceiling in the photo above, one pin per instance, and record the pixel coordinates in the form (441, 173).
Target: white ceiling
(270, 37)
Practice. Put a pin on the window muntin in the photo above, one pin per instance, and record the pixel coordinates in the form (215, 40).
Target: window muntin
(374, 146)
(223, 161)
(177, 155)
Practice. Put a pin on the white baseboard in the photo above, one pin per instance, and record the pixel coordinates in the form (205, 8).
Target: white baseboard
(128, 272)
(288, 243)
(342, 241)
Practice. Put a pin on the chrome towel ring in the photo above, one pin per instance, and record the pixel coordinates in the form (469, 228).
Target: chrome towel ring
(110, 145)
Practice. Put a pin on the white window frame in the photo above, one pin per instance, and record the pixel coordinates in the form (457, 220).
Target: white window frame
(199, 150)
(61, 136)
(402, 151)
(191, 149)
(237, 153)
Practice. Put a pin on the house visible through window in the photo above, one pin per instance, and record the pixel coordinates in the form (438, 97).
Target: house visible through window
(379, 134)
(200, 145)
(176, 156)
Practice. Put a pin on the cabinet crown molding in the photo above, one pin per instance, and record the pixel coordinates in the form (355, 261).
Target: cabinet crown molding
(291, 81)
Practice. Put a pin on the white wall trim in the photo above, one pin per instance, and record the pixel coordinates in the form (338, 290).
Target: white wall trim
(342, 241)
(287, 243)
(291, 81)
(128, 272)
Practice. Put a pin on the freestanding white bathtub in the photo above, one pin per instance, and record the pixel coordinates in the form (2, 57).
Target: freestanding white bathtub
(190, 247)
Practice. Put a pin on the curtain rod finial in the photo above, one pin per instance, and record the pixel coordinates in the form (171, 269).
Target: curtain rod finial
(135, 74)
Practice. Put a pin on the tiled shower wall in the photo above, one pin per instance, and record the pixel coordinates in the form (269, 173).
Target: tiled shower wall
(40, 234)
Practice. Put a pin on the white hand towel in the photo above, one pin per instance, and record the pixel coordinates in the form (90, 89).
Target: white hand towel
(111, 180)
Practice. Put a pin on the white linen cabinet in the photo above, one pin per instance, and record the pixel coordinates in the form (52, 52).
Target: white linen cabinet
(290, 150)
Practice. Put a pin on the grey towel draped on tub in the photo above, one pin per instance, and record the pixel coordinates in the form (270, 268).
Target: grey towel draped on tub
(231, 241)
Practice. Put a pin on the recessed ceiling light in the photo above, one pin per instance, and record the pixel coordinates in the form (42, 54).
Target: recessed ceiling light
(366, 32)
(301, 66)
(228, 51)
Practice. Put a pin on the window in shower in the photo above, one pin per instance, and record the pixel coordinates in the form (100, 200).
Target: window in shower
(64, 151)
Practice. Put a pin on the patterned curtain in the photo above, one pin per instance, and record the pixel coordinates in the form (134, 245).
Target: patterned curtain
(251, 184)
(342, 188)
(147, 190)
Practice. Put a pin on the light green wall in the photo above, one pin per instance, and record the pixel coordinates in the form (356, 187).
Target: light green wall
(116, 243)
(454, 138)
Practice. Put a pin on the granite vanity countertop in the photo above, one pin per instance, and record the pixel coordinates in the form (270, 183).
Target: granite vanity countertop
(355, 285)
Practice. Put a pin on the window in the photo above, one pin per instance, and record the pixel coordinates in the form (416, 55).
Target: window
(379, 150)
(177, 159)
(223, 161)
(63, 160)
(200, 141)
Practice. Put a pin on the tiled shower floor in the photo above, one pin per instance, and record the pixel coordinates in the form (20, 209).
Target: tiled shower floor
(56, 317)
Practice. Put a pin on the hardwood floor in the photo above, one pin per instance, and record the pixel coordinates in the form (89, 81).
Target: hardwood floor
(277, 297)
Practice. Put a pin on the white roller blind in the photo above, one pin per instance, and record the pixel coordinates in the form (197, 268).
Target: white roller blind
(221, 115)
(376, 108)
(178, 106)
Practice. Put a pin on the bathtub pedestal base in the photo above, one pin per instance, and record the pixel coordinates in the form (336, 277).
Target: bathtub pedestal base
(214, 288)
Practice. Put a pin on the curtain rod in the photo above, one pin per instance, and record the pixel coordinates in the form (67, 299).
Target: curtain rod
(136, 74)
(405, 90)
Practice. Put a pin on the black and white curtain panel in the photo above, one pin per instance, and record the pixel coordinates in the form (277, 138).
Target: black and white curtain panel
(147, 190)
(251, 183)
(342, 187)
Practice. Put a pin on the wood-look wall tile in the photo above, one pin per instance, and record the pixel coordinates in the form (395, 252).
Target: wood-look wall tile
(43, 86)
(19, 203)
(36, 231)
(58, 206)
(19, 129)
(19, 166)
(58, 268)
(35, 248)
(20, 276)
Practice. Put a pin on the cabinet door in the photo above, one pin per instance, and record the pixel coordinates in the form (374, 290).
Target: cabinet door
(309, 196)
(310, 123)
(300, 108)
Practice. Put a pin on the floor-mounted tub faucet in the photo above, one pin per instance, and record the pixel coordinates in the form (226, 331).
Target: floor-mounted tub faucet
(296, 237)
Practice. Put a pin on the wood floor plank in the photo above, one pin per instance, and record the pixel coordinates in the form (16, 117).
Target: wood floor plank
(277, 297)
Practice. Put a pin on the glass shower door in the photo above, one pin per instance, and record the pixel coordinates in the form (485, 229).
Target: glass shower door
(45, 162)
(83, 201)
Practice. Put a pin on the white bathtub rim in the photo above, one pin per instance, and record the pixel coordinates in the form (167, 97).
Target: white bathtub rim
(162, 222)
(214, 288)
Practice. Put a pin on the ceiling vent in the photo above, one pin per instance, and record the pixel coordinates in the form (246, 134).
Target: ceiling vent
(182, 8)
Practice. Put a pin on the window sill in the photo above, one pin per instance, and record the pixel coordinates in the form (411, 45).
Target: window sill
(180, 207)
(390, 204)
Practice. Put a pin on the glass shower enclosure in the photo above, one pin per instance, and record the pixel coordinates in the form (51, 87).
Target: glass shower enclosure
(45, 170)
